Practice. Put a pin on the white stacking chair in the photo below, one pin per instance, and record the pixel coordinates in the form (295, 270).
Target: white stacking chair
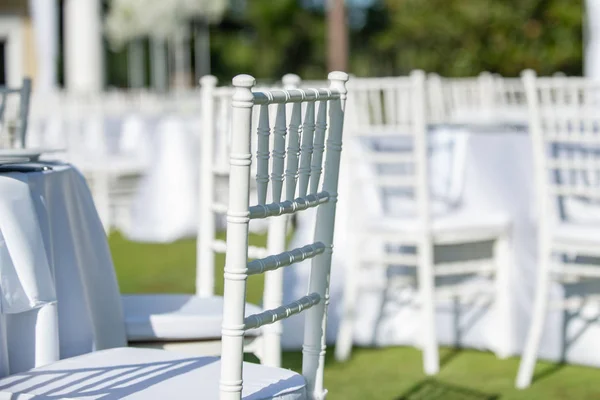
(14, 113)
(301, 183)
(418, 225)
(563, 122)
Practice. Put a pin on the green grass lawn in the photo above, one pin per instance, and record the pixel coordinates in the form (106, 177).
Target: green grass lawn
(389, 373)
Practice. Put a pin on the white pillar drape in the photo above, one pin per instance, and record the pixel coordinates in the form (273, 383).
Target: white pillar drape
(84, 58)
(592, 39)
(44, 15)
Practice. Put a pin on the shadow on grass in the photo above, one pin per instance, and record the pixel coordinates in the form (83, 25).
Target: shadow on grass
(451, 355)
(431, 389)
(546, 372)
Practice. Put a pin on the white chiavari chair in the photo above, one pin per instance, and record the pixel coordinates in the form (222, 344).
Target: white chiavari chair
(390, 152)
(298, 180)
(215, 145)
(564, 126)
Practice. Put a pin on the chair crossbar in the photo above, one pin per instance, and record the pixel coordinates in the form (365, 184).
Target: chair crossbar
(375, 130)
(480, 267)
(219, 208)
(574, 303)
(577, 248)
(386, 157)
(283, 312)
(577, 270)
(289, 206)
(398, 259)
(220, 246)
(394, 181)
(294, 96)
(576, 191)
(285, 259)
(574, 164)
(221, 171)
(573, 138)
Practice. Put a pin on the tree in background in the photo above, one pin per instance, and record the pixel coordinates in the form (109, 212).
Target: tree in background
(268, 38)
(465, 37)
(450, 37)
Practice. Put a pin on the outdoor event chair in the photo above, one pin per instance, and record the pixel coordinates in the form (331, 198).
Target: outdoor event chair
(566, 152)
(399, 217)
(301, 183)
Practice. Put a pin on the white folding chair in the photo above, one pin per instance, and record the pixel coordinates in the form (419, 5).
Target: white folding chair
(389, 156)
(14, 114)
(564, 123)
(297, 185)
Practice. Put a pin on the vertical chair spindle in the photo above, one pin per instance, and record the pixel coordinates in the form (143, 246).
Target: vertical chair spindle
(237, 238)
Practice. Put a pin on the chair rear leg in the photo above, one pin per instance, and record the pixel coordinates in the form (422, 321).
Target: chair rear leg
(502, 305)
(431, 360)
(534, 337)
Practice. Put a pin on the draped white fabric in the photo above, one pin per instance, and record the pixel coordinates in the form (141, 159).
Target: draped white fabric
(58, 235)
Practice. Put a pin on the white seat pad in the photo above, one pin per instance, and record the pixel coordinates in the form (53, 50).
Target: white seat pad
(148, 374)
(454, 226)
(585, 234)
(171, 317)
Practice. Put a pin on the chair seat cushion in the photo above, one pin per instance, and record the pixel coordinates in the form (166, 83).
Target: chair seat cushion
(175, 317)
(130, 373)
(578, 234)
(449, 228)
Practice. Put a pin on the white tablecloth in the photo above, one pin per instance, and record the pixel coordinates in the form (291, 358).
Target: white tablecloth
(59, 229)
(164, 148)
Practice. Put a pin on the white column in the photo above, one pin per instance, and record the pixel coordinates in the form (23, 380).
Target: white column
(84, 58)
(44, 15)
(592, 39)
(136, 64)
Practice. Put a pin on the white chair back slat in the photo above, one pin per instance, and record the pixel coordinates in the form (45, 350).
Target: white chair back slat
(279, 139)
(240, 212)
(263, 155)
(293, 151)
(318, 147)
(306, 149)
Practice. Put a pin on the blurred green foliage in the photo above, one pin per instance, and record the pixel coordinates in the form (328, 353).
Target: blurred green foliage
(451, 37)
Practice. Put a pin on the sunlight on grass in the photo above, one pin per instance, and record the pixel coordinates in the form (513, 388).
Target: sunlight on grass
(393, 373)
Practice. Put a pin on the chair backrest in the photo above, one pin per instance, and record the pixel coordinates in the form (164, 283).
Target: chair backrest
(298, 181)
(215, 142)
(15, 112)
(390, 155)
(565, 128)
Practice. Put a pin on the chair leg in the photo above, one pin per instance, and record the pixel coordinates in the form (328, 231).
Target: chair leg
(534, 337)
(502, 304)
(431, 360)
(271, 351)
(344, 341)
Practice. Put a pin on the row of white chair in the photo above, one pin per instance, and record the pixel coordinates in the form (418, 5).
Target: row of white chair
(392, 157)
(390, 151)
